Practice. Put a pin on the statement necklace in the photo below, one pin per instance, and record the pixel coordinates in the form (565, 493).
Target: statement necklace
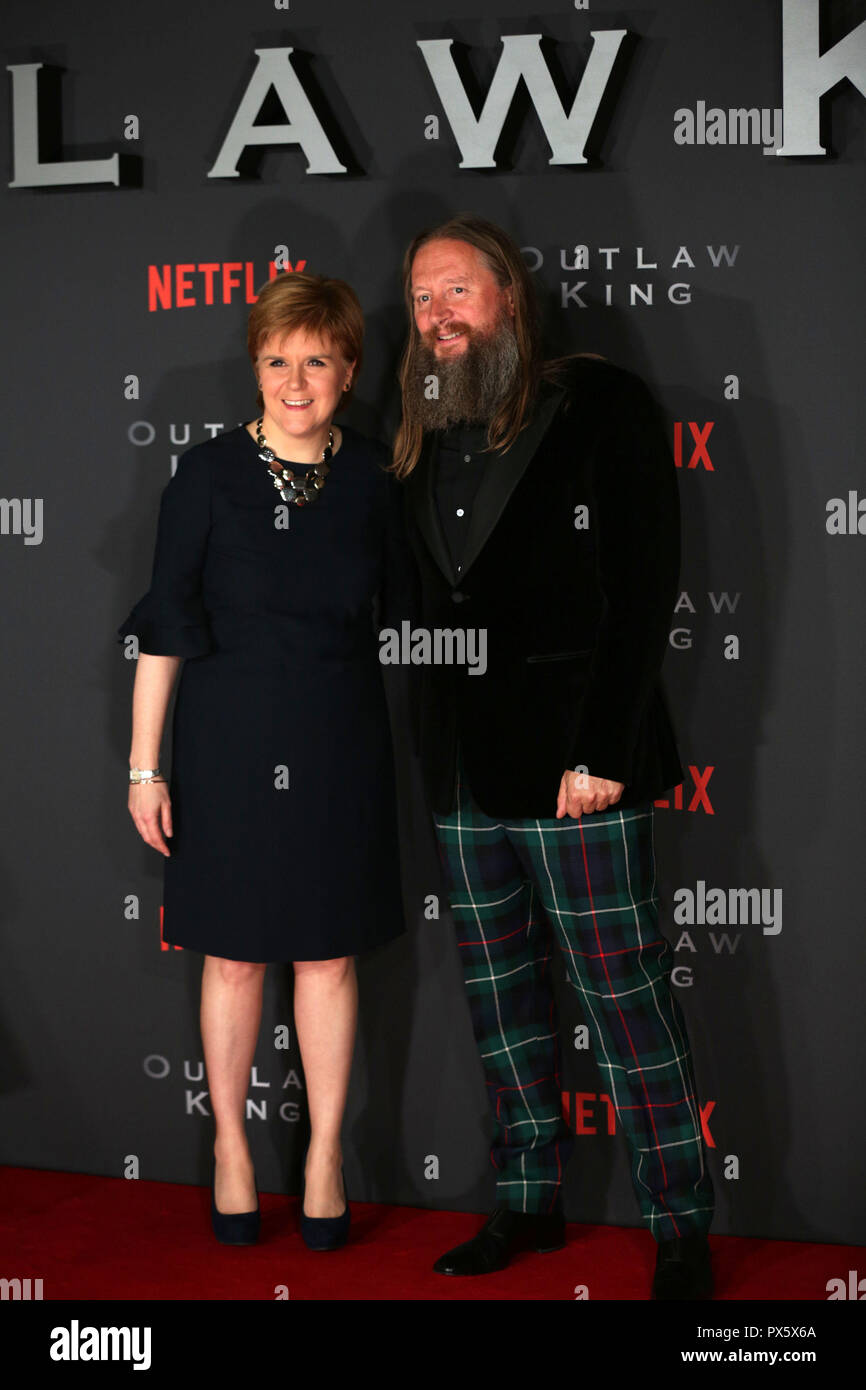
(307, 486)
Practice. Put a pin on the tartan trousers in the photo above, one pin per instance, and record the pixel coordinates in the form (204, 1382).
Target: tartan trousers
(588, 885)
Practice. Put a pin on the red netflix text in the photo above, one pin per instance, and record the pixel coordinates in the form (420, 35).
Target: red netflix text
(163, 944)
(699, 801)
(700, 435)
(588, 1113)
(190, 286)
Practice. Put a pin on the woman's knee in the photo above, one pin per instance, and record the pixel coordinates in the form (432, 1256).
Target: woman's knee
(235, 972)
(333, 972)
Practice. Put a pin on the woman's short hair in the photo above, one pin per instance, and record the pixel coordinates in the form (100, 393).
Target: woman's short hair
(315, 304)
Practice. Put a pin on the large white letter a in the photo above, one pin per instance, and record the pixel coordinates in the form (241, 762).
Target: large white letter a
(304, 129)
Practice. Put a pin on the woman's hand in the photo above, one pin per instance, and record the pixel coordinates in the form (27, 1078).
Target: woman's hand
(150, 808)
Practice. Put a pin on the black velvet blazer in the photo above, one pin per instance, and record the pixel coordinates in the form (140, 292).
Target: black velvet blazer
(577, 616)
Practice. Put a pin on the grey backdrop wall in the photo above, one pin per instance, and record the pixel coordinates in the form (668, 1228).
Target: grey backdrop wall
(685, 246)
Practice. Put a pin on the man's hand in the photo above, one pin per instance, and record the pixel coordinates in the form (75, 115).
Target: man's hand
(578, 792)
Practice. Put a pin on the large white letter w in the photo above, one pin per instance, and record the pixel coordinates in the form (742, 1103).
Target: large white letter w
(522, 57)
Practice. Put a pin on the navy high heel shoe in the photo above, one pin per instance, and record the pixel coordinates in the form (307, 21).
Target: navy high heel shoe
(325, 1232)
(235, 1227)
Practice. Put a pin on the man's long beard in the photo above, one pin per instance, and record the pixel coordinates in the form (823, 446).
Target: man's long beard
(471, 387)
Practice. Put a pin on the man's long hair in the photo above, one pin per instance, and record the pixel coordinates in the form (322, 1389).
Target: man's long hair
(503, 257)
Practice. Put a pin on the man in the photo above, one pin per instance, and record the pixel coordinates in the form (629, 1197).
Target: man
(543, 510)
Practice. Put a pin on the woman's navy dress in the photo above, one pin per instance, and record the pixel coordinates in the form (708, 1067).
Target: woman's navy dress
(282, 784)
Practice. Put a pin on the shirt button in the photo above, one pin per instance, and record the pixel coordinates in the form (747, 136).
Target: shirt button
(467, 458)
(459, 511)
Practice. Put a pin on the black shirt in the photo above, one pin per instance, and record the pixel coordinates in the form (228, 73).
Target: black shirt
(459, 466)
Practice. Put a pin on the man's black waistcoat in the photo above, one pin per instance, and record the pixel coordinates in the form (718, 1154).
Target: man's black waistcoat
(577, 617)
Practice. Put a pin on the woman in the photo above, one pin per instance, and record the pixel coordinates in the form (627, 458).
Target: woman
(273, 542)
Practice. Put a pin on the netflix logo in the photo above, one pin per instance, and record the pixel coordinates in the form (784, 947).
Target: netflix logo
(699, 436)
(697, 793)
(588, 1113)
(195, 286)
(163, 944)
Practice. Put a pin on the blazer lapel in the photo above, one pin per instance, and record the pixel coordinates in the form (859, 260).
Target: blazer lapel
(423, 502)
(503, 472)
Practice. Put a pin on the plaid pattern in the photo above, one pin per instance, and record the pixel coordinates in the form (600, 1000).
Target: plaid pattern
(588, 884)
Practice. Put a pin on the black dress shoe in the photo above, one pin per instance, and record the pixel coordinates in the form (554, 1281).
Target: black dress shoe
(683, 1269)
(501, 1236)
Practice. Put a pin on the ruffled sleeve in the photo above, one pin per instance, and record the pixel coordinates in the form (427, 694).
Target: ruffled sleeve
(170, 619)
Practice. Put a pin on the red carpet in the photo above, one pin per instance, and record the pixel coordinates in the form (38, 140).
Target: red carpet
(107, 1238)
